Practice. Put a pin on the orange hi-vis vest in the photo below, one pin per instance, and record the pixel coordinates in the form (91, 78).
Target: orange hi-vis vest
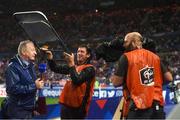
(72, 95)
(144, 79)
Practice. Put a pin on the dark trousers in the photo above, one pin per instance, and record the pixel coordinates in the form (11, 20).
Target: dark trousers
(12, 111)
(155, 112)
(71, 113)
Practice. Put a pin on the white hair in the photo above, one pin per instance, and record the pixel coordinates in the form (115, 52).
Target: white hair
(22, 46)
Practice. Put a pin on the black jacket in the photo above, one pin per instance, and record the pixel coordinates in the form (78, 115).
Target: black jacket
(77, 78)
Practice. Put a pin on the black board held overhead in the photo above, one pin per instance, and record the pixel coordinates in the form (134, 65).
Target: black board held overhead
(39, 29)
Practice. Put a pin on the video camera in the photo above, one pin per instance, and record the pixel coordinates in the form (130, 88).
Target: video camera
(111, 51)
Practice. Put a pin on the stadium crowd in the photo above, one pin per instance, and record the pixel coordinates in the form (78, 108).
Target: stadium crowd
(161, 24)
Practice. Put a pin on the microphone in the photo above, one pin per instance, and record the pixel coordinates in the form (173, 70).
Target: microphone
(42, 69)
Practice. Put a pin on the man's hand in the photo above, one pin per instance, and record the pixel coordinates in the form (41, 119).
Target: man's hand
(116, 80)
(48, 52)
(39, 83)
(70, 59)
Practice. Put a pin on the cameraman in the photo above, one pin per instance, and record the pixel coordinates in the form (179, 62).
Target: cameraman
(141, 74)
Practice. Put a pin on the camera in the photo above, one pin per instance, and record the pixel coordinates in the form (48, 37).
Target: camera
(110, 51)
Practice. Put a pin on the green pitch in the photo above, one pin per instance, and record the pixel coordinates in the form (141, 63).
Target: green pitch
(49, 101)
(1, 99)
(52, 101)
